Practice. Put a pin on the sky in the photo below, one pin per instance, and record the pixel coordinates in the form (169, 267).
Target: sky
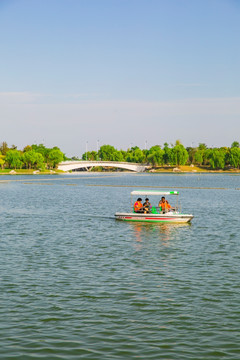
(79, 74)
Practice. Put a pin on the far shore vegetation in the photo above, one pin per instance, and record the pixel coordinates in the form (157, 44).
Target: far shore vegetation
(174, 157)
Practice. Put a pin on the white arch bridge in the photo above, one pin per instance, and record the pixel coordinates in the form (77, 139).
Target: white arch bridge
(88, 165)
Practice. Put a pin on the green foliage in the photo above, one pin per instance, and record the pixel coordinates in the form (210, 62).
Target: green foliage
(55, 156)
(40, 157)
(137, 155)
(202, 146)
(155, 155)
(107, 153)
(234, 157)
(14, 159)
(27, 148)
(235, 144)
(217, 158)
(198, 157)
(167, 156)
(191, 154)
(90, 155)
(179, 155)
(2, 161)
(4, 148)
(32, 159)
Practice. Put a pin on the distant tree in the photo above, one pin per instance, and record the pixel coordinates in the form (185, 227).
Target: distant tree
(201, 155)
(129, 156)
(28, 148)
(107, 153)
(29, 158)
(41, 149)
(32, 159)
(198, 157)
(137, 155)
(91, 155)
(13, 159)
(179, 155)
(75, 158)
(234, 157)
(191, 152)
(155, 155)
(4, 148)
(124, 155)
(217, 158)
(167, 156)
(235, 144)
(2, 161)
(55, 156)
(202, 146)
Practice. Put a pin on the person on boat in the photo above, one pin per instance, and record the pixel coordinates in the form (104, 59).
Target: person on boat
(147, 206)
(138, 206)
(164, 205)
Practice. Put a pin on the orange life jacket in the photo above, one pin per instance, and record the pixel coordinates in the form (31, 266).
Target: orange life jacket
(137, 206)
(165, 205)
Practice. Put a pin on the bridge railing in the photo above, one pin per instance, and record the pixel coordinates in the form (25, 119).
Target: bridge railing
(102, 161)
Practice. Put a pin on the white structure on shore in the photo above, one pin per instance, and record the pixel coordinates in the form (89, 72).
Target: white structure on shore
(88, 165)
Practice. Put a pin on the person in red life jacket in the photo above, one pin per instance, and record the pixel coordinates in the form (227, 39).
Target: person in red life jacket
(138, 206)
(164, 205)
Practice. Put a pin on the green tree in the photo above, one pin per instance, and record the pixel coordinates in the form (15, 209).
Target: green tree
(191, 153)
(107, 153)
(167, 156)
(90, 155)
(179, 155)
(13, 159)
(234, 157)
(202, 146)
(155, 155)
(32, 159)
(28, 148)
(118, 156)
(235, 144)
(29, 158)
(198, 157)
(2, 161)
(137, 155)
(4, 148)
(217, 158)
(41, 149)
(55, 157)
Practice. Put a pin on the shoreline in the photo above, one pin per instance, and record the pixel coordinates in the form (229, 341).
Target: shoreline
(184, 169)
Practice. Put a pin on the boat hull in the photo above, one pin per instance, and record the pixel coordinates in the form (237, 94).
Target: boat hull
(170, 217)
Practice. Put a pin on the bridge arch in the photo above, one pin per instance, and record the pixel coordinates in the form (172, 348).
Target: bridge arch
(74, 165)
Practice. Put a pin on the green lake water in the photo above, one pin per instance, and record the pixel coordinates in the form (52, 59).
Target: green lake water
(77, 284)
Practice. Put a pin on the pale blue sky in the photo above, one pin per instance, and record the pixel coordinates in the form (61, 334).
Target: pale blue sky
(119, 71)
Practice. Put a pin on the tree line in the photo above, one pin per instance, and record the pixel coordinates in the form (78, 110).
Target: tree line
(174, 155)
(36, 157)
(41, 157)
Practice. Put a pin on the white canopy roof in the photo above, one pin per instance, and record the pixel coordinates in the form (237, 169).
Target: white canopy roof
(154, 192)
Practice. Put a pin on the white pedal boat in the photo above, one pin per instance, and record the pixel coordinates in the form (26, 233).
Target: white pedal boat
(155, 214)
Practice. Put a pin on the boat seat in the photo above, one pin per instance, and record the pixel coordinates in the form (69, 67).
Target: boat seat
(154, 210)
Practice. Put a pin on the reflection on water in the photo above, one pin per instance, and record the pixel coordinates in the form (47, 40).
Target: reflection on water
(165, 232)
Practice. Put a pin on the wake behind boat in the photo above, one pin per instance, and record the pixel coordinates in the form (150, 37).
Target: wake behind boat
(164, 212)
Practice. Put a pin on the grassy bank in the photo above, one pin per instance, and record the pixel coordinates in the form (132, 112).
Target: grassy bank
(191, 169)
(28, 172)
(156, 169)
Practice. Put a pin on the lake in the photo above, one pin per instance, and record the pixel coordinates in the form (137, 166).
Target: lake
(77, 284)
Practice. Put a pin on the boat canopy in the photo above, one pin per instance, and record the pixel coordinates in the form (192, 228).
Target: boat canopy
(154, 192)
